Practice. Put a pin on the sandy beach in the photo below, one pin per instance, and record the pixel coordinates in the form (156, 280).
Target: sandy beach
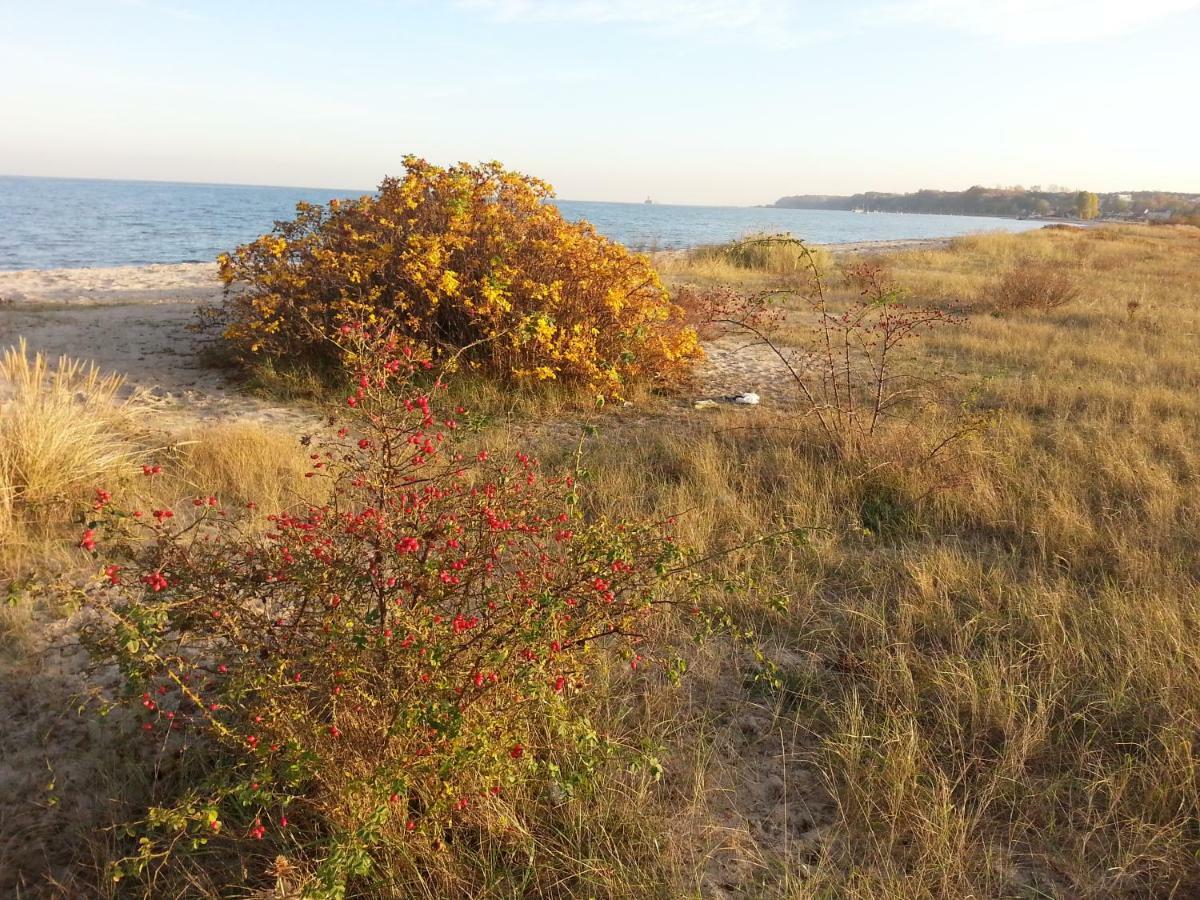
(136, 321)
(190, 283)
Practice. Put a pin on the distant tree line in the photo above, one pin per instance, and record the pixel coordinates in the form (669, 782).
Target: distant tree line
(1015, 202)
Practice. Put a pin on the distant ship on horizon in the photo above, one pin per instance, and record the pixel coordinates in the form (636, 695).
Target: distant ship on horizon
(649, 201)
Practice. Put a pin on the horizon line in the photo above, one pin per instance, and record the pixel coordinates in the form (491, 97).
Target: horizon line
(359, 191)
(365, 191)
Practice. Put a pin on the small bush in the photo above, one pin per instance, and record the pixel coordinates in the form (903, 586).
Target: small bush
(765, 253)
(1033, 286)
(466, 257)
(384, 669)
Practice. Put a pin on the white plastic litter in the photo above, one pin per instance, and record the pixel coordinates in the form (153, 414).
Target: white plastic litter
(747, 399)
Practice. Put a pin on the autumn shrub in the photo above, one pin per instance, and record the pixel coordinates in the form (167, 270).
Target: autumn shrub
(450, 258)
(1032, 286)
(383, 669)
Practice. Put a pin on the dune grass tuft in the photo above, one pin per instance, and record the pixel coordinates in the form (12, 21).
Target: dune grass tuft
(64, 428)
(754, 258)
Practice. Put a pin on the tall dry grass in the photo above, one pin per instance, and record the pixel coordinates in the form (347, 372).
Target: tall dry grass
(66, 429)
(63, 428)
(242, 462)
(1008, 686)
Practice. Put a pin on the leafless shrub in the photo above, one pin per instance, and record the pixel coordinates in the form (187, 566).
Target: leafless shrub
(1032, 286)
(853, 375)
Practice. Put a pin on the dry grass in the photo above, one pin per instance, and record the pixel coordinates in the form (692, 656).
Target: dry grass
(980, 681)
(1008, 686)
(67, 429)
(63, 427)
(63, 430)
(751, 260)
(242, 462)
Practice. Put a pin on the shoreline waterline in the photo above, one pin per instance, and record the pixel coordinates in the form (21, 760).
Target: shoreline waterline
(48, 224)
(183, 282)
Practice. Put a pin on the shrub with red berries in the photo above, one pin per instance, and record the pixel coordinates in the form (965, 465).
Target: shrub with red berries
(384, 666)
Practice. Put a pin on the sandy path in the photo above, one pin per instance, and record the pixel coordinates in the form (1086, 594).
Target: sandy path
(137, 321)
(736, 363)
(891, 246)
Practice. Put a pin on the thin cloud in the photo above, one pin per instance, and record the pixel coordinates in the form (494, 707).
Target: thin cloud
(788, 23)
(1033, 21)
(682, 13)
(776, 22)
(174, 12)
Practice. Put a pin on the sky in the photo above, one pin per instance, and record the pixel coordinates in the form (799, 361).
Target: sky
(686, 101)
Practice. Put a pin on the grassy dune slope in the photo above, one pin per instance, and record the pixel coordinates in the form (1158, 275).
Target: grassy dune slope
(983, 677)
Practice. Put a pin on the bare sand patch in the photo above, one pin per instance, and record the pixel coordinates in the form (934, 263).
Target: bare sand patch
(179, 283)
(136, 321)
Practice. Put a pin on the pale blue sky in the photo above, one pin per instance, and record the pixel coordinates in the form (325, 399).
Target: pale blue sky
(690, 101)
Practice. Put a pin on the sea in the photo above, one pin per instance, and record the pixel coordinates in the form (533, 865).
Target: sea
(54, 223)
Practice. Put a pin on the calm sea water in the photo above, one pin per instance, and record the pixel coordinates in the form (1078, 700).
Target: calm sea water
(66, 223)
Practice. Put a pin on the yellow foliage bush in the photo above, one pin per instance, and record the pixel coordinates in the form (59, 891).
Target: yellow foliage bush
(461, 257)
